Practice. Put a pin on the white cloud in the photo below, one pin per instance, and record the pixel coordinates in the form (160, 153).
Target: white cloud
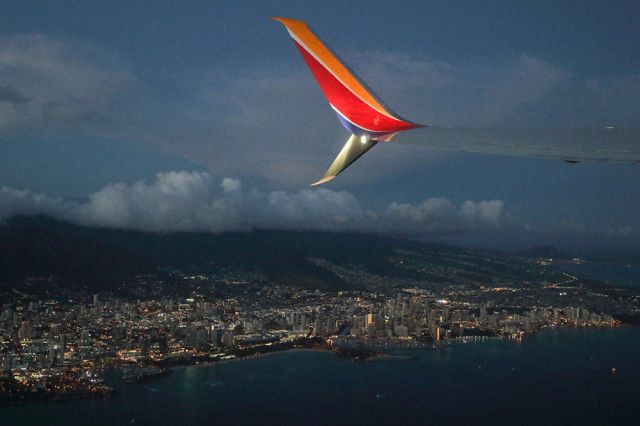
(442, 215)
(484, 211)
(194, 201)
(189, 201)
(231, 184)
(15, 202)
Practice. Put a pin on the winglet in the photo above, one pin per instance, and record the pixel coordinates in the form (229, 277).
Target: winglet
(359, 110)
(355, 147)
(323, 180)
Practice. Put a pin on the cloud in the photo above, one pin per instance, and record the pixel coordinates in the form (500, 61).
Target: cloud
(51, 81)
(191, 201)
(467, 94)
(230, 185)
(194, 201)
(14, 202)
(12, 96)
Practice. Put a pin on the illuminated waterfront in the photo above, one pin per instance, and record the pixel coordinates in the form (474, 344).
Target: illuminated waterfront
(561, 376)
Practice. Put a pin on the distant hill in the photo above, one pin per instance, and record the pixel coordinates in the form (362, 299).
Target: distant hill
(543, 252)
(40, 247)
(99, 258)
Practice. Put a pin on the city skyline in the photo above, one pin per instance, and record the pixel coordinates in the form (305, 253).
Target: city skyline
(58, 342)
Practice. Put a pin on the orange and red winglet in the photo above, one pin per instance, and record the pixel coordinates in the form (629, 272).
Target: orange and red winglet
(356, 106)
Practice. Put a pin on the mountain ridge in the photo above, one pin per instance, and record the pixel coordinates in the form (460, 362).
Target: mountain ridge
(100, 259)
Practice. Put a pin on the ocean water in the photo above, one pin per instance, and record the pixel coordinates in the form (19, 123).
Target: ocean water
(616, 274)
(554, 377)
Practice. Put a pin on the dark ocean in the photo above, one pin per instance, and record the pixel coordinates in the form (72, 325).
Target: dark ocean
(615, 274)
(555, 377)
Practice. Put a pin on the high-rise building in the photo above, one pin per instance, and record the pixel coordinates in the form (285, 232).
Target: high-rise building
(371, 330)
(6, 364)
(215, 336)
(435, 333)
(402, 330)
(227, 339)
(85, 337)
(26, 331)
(201, 337)
(483, 313)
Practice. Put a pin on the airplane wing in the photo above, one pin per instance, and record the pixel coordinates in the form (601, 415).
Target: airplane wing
(572, 145)
(370, 121)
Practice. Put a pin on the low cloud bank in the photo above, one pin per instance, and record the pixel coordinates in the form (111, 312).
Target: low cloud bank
(194, 201)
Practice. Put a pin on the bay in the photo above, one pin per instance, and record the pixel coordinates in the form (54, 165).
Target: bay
(560, 376)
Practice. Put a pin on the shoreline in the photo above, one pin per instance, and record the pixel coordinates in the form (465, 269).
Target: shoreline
(243, 358)
(375, 354)
(357, 356)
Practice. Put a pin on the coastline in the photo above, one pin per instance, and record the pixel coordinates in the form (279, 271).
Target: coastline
(376, 355)
(304, 374)
(352, 355)
(360, 356)
(242, 358)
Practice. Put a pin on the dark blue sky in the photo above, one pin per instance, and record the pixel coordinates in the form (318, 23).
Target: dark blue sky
(96, 96)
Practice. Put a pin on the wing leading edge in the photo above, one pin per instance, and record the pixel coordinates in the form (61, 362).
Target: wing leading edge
(370, 121)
